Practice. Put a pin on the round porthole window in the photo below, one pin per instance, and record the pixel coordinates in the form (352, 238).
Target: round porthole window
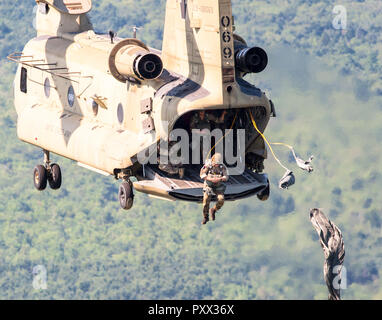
(120, 114)
(71, 96)
(95, 107)
(47, 87)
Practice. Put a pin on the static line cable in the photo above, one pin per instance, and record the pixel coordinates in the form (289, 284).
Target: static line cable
(265, 139)
(304, 165)
(288, 178)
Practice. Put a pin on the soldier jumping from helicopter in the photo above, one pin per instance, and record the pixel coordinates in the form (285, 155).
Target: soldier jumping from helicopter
(214, 174)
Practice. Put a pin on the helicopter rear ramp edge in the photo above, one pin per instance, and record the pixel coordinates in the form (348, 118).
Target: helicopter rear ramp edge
(190, 187)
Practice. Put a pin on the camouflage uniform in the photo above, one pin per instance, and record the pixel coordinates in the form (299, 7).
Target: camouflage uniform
(210, 188)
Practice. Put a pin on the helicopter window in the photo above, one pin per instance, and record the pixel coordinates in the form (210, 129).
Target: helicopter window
(120, 114)
(71, 96)
(23, 80)
(47, 87)
(44, 8)
(95, 107)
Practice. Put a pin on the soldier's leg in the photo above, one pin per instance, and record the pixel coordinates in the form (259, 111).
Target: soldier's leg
(220, 202)
(218, 206)
(206, 206)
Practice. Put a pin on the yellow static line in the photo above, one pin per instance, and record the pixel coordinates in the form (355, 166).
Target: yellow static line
(265, 139)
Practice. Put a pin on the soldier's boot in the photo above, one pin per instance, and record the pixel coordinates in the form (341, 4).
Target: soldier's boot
(212, 213)
(205, 218)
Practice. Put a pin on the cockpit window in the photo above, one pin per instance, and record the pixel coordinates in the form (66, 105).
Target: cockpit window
(71, 96)
(120, 114)
(44, 8)
(95, 107)
(47, 87)
(23, 80)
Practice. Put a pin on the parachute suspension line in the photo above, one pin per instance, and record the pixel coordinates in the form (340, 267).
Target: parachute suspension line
(285, 145)
(288, 179)
(265, 139)
(302, 164)
(233, 123)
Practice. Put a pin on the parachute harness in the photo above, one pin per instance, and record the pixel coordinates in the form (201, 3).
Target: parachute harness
(288, 179)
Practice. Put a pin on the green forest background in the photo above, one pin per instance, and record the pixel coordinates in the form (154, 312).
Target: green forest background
(327, 88)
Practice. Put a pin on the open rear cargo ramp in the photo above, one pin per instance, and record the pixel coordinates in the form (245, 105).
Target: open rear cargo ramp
(190, 187)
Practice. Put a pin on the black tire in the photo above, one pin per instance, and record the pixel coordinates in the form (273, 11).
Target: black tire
(40, 177)
(264, 194)
(55, 177)
(126, 196)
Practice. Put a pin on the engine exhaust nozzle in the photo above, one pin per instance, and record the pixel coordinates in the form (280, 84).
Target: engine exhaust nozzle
(148, 66)
(251, 60)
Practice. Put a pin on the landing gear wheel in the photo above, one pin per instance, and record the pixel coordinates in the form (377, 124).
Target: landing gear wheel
(55, 177)
(40, 177)
(126, 196)
(264, 194)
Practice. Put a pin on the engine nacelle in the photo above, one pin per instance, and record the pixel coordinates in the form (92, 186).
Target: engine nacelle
(130, 58)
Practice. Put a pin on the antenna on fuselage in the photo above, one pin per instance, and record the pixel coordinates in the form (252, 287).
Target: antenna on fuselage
(135, 29)
(112, 35)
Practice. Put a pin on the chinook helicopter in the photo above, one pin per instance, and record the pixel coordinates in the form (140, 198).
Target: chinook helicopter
(100, 100)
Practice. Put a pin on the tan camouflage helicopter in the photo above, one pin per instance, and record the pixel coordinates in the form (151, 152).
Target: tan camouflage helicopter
(101, 100)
